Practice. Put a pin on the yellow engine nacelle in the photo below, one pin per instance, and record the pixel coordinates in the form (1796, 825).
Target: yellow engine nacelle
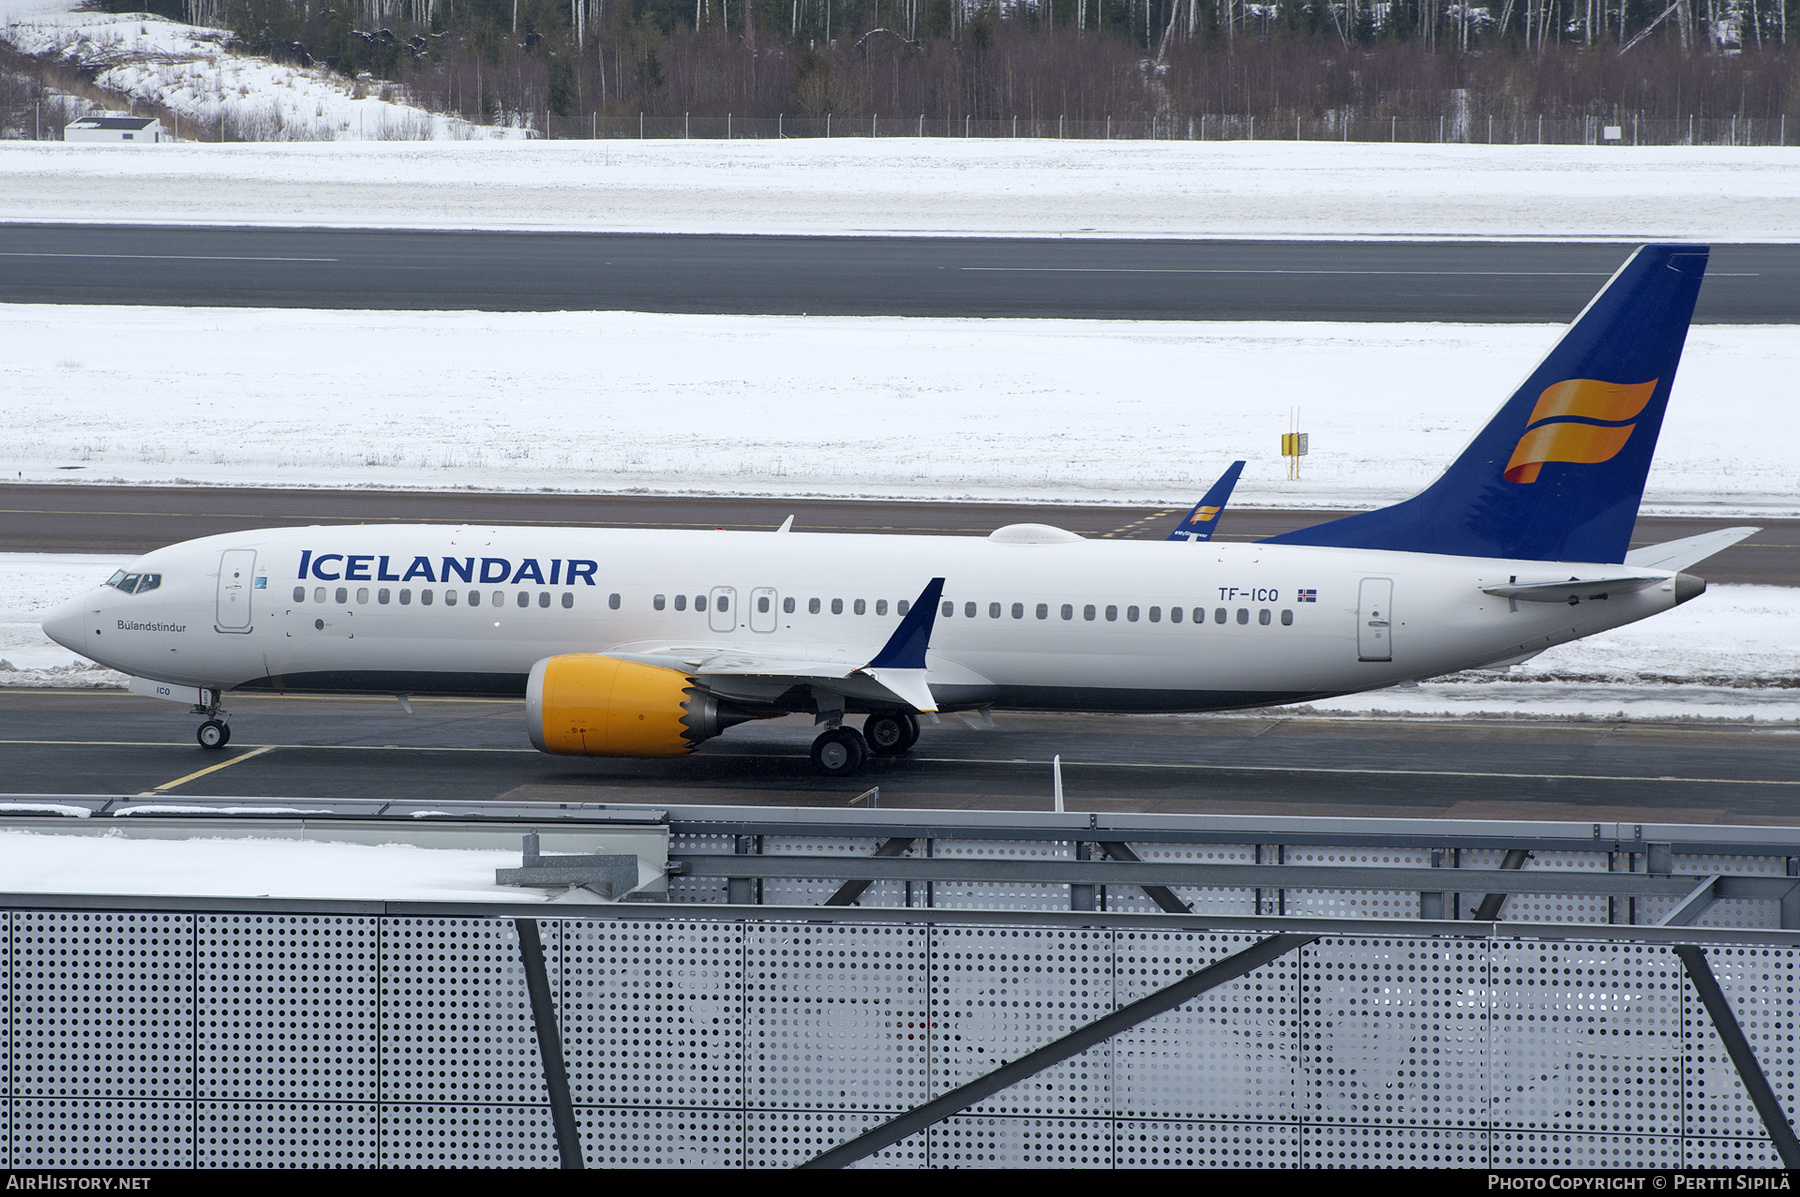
(584, 704)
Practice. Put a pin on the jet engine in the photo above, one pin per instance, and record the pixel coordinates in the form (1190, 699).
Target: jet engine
(585, 704)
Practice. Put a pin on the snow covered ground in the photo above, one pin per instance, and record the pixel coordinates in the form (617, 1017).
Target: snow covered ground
(1733, 653)
(937, 186)
(192, 71)
(924, 408)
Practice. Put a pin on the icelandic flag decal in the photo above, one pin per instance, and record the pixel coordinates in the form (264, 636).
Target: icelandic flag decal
(1309, 596)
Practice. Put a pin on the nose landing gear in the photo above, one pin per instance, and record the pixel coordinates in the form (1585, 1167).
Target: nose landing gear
(214, 733)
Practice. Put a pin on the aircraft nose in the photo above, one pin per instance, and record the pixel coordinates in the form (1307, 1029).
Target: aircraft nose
(67, 624)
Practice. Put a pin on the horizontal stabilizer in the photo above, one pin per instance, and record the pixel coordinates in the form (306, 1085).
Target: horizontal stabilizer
(1571, 590)
(1689, 550)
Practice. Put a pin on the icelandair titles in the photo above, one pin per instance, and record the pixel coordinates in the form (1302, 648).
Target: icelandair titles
(490, 571)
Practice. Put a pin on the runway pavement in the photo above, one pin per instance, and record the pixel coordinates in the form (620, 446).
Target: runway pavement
(105, 742)
(127, 519)
(894, 276)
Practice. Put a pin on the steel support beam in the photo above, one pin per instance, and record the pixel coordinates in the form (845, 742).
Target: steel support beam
(1489, 909)
(1692, 906)
(1063, 871)
(1774, 1118)
(1055, 1052)
(549, 1037)
(850, 891)
(1162, 895)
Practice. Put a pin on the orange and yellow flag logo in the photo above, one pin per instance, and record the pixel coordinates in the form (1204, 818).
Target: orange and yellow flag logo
(1204, 515)
(1559, 430)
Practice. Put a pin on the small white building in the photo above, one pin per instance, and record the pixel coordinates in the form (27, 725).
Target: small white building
(108, 128)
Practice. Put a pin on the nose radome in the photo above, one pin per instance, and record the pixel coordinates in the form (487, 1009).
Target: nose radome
(67, 624)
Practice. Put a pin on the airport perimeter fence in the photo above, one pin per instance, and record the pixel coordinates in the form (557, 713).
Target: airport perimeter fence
(1691, 131)
(239, 1034)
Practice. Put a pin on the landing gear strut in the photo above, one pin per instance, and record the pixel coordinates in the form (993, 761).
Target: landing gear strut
(891, 733)
(839, 752)
(214, 733)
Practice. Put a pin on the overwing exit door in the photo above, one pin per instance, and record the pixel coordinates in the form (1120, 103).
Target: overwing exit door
(722, 611)
(1374, 620)
(236, 567)
(762, 609)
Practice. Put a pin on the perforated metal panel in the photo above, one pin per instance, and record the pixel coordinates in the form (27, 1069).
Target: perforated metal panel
(1761, 986)
(275, 1134)
(1552, 1149)
(836, 1017)
(793, 891)
(999, 1141)
(675, 1138)
(455, 1017)
(1587, 1037)
(102, 1133)
(999, 992)
(471, 1136)
(983, 895)
(286, 1007)
(786, 1138)
(1206, 1144)
(1343, 903)
(103, 1005)
(1395, 1032)
(653, 1013)
(1200, 900)
(1231, 1053)
(1729, 1153)
(1393, 1147)
(699, 889)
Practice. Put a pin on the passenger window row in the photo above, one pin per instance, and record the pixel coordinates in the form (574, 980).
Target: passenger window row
(788, 605)
(384, 596)
(1090, 612)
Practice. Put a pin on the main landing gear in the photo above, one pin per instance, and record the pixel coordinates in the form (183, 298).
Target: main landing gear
(842, 751)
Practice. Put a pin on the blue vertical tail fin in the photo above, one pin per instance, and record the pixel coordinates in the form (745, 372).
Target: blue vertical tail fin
(1558, 473)
(1203, 520)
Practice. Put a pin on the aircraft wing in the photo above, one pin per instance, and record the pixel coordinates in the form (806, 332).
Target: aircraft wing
(1203, 520)
(897, 671)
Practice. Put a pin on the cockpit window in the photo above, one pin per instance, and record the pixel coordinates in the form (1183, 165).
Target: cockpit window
(134, 583)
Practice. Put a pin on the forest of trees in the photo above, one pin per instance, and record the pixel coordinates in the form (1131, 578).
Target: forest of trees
(557, 66)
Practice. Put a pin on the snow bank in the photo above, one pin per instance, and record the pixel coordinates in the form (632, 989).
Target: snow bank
(31, 584)
(1046, 410)
(192, 71)
(937, 186)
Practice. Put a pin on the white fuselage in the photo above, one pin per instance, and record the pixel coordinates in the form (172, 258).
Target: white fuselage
(1076, 624)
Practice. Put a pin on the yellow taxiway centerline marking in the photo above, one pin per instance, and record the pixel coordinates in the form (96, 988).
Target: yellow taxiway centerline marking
(236, 760)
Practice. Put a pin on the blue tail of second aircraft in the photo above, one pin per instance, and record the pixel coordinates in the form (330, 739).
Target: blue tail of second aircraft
(1558, 473)
(1203, 520)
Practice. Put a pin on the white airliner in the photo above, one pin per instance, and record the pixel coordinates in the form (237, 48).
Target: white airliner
(644, 643)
